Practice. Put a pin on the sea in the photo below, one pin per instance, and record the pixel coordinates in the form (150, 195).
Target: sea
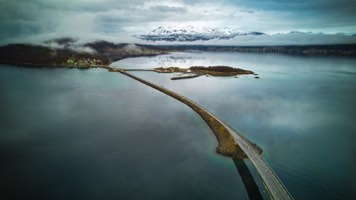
(94, 134)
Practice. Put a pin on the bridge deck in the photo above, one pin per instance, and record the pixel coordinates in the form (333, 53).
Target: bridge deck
(273, 184)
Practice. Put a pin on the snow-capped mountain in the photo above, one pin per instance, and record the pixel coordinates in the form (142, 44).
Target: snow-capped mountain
(300, 32)
(191, 33)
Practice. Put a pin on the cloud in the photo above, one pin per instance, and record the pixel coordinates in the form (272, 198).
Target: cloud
(328, 15)
(274, 39)
(22, 20)
(169, 9)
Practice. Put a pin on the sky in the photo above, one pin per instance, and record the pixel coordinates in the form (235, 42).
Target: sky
(119, 20)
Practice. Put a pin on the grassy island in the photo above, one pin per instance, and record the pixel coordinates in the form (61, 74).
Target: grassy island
(196, 71)
(170, 70)
(219, 70)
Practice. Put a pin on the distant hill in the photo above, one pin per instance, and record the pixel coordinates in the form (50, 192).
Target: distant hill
(65, 52)
(36, 55)
(307, 50)
(194, 35)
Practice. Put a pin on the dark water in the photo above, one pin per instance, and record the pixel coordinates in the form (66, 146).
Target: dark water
(302, 112)
(91, 134)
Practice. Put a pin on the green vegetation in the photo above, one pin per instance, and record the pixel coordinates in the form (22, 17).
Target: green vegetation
(219, 70)
(41, 56)
(227, 145)
(196, 71)
(71, 61)
(169, 70)
(74, 62)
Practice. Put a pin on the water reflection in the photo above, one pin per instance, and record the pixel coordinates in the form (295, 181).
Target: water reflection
(248, 180)
(301, 112)
(74, 134)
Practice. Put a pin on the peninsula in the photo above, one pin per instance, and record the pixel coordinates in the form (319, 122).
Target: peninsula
(69, 54)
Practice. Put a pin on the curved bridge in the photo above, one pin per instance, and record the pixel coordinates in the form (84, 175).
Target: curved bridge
(273, 184)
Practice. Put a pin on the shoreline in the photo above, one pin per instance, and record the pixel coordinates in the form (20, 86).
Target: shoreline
(47, 65)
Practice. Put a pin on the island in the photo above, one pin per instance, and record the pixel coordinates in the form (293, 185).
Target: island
(196, 71)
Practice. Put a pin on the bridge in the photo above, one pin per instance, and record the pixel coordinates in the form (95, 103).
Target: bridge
(273, 184)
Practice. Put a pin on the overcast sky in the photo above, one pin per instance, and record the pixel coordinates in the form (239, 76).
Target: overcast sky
(23, 20)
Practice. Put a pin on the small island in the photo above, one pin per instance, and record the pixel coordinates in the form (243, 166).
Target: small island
(196, 71)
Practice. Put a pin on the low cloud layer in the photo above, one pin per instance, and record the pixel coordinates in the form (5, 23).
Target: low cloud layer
(118, 20)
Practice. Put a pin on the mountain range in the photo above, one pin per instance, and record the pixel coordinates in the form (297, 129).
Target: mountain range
(191, 33)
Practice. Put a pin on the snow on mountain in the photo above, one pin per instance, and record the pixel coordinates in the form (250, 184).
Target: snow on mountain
(228, 36)
(191, 33)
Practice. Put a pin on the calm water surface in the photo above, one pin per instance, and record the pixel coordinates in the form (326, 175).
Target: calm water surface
(302, 112)
(91, 134)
